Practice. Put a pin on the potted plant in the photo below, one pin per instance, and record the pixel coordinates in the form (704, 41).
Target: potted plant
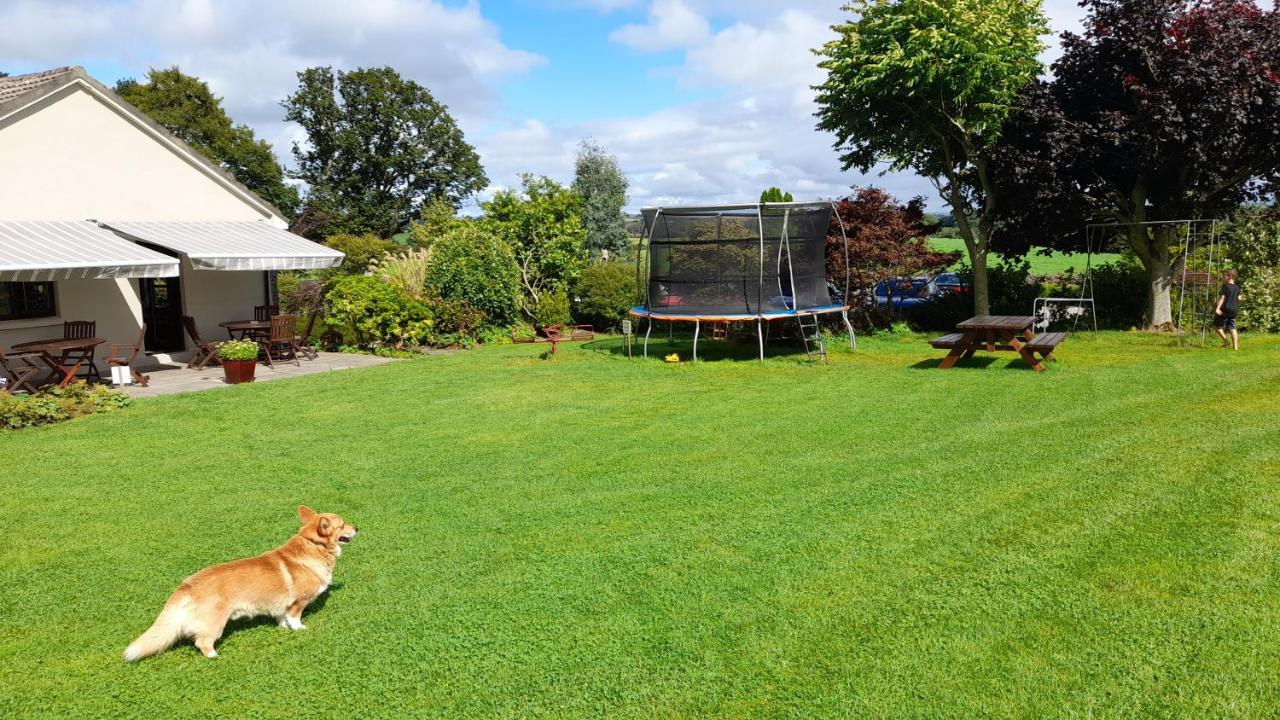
(239, 358)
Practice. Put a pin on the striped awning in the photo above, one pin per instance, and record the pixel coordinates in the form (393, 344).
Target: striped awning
(233, 245)
(34, 251)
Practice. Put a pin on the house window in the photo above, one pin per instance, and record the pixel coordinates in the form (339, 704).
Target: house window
(22, 300)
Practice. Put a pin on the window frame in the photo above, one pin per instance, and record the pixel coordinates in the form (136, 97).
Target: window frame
(24, 311)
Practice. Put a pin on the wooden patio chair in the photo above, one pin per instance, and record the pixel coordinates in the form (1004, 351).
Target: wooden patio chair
(19, 367)
(81, 330)
(302, 343)
(279, 344)
(206, 353)
(263, 313)
(124, 356)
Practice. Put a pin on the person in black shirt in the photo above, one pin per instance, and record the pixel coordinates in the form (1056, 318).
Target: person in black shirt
(1224, 315)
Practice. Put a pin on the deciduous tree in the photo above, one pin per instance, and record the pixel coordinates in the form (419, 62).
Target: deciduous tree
(542, 223)
(185, 106)
(1160, 110)
(378, 147)
(927, 85)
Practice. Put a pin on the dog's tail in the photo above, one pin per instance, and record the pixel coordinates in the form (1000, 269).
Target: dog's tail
(163, 633)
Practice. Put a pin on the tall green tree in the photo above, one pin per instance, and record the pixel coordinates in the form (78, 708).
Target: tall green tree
(1161, 110)
(775, 194)
(542, 223)
(379, 146)
(603, 187)
(926, 85)
(185, 106)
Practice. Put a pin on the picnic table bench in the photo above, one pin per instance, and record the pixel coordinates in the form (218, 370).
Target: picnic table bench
(998, 333)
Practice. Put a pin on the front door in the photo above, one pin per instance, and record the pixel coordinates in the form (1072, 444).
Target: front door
(162, 312)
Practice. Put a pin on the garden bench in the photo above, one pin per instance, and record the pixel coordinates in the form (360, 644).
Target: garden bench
(947, 342)
(1045, 343)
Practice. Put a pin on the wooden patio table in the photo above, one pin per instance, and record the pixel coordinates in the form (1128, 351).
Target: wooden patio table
(246, 328)
(53, 351)
(992, 333)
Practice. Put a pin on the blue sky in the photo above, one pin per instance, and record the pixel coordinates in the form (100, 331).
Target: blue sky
(701, 100)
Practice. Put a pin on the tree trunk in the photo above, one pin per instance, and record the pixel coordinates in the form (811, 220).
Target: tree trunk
(1152, 246)
(981, 286)
(1159, 283)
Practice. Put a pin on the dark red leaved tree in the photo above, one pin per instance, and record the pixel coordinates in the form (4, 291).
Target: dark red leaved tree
(886, 239)
(1160, 110)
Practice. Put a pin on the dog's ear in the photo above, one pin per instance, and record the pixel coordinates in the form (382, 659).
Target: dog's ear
(305, 514)
(324, 527)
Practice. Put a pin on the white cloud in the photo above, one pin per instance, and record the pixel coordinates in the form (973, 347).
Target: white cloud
(672, 24)
(752, 55)
(717, 151)
(250, 52)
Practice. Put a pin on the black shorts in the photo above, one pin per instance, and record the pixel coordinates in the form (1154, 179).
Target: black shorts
(1226, 321)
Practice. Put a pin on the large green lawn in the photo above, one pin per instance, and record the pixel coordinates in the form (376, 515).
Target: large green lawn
(1051, 262)
(596, 536)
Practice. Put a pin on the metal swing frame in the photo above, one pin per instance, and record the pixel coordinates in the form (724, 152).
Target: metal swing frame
(1040, 306)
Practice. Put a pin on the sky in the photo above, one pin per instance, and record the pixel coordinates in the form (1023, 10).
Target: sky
(701, 101)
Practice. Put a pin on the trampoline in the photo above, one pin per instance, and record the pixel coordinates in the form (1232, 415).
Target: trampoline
(756, 262)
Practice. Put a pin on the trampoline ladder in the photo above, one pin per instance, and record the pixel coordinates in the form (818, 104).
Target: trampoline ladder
(811, 334)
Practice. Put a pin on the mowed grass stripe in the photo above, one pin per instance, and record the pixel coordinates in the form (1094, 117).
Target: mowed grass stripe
(593, 535)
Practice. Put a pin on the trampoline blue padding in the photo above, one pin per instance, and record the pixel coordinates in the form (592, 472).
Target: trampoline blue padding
(668, 314)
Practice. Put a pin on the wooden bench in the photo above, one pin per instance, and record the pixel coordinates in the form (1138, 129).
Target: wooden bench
(948, 342)
(1043, 344)
(1046, 342)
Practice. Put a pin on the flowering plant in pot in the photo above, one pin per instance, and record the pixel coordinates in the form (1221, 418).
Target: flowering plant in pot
(239, 358)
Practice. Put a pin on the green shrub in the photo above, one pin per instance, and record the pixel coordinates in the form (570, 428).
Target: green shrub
(300, 296)
(1253, 249)
(57, 404)
(553, 309)
(607, 290)
(475, 267)
(458, 320)
(376, 314)
(238, 350)
(360, 249)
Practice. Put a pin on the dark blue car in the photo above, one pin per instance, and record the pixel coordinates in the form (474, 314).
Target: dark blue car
(904, 293)
(950, 282)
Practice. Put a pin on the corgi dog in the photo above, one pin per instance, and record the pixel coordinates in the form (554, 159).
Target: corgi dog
(280, 583)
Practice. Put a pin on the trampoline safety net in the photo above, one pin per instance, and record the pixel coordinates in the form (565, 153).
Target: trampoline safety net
(735, 261)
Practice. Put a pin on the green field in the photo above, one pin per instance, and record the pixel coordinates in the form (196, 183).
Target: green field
(1055, 263)
(597, 536)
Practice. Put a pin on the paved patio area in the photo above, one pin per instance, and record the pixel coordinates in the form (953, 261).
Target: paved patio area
(169, 379)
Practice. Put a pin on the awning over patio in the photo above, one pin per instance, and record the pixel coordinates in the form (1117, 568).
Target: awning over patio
(35, 251)
(233, 245)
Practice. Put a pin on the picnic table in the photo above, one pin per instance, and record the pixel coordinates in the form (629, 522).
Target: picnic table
(998, 333)
(247, 328)
(63, 356)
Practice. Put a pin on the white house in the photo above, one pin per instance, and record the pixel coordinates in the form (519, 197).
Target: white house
(106, 216)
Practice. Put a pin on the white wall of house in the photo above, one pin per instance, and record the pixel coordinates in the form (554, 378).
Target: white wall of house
(75, 156)
(214, 296)
(71, 156)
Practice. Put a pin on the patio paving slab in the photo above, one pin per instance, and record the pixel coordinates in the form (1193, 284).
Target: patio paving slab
(168, 379)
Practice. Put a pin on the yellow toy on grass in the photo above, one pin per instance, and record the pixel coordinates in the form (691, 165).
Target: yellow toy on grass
(672, 358)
